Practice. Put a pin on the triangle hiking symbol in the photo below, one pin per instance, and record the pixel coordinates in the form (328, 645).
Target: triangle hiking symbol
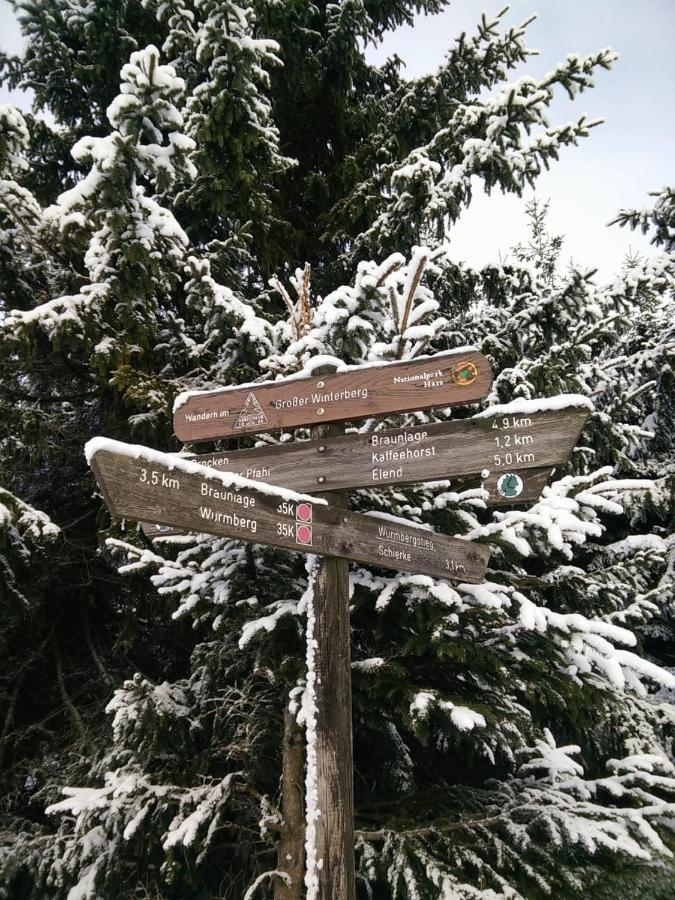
(251, 413)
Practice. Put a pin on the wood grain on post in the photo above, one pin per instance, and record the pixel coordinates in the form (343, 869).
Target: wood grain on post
(445, 379)
(291, 846)
(334, 753)
(144, 485)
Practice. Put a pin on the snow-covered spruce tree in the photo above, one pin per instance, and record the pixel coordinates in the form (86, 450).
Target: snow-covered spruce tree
(519, 751)
(99, 313)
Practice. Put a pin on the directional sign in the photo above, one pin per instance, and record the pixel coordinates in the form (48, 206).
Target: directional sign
(445, 379)
(516, 450)
(144, 485)
(529, 482)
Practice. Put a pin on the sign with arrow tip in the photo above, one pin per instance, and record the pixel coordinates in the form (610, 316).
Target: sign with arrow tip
(513, 448)
(141, 484)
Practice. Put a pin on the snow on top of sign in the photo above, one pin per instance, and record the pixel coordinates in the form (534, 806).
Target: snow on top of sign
(524, 407)
(314, 363)
(229, 479)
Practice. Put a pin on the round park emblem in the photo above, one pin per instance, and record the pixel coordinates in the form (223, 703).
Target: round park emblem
(303, 512)
(464, 373)
(510, 485)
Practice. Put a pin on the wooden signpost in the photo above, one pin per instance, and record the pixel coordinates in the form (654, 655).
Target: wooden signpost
(253, 495)
(446, 379)
(142, 484)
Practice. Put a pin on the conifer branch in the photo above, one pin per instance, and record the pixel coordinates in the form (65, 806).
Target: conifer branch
(90, 644)
(394, 264)
(9, 717)
(76, 718)
(393, 305)
(303, 297)
(300, 311)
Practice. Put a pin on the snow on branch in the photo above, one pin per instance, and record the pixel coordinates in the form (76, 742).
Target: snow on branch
(461, 854)
(489, 139)
(658, 218)
(387, 315)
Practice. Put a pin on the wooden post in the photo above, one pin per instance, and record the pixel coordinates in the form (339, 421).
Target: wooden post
(334, 755)
(291, 848)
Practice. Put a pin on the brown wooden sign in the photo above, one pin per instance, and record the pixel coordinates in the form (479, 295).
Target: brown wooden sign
(517, 450)
(533, 482)
(445, 379)
(144, 485)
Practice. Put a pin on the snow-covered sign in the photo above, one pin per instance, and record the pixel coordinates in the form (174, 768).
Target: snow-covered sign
(445, 379)
(145, 485)
(513, 446)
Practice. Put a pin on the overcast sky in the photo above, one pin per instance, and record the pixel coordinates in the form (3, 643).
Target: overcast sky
(632, 153)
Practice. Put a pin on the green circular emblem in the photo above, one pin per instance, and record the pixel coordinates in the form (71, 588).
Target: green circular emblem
(464, 373)
(510, 485)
